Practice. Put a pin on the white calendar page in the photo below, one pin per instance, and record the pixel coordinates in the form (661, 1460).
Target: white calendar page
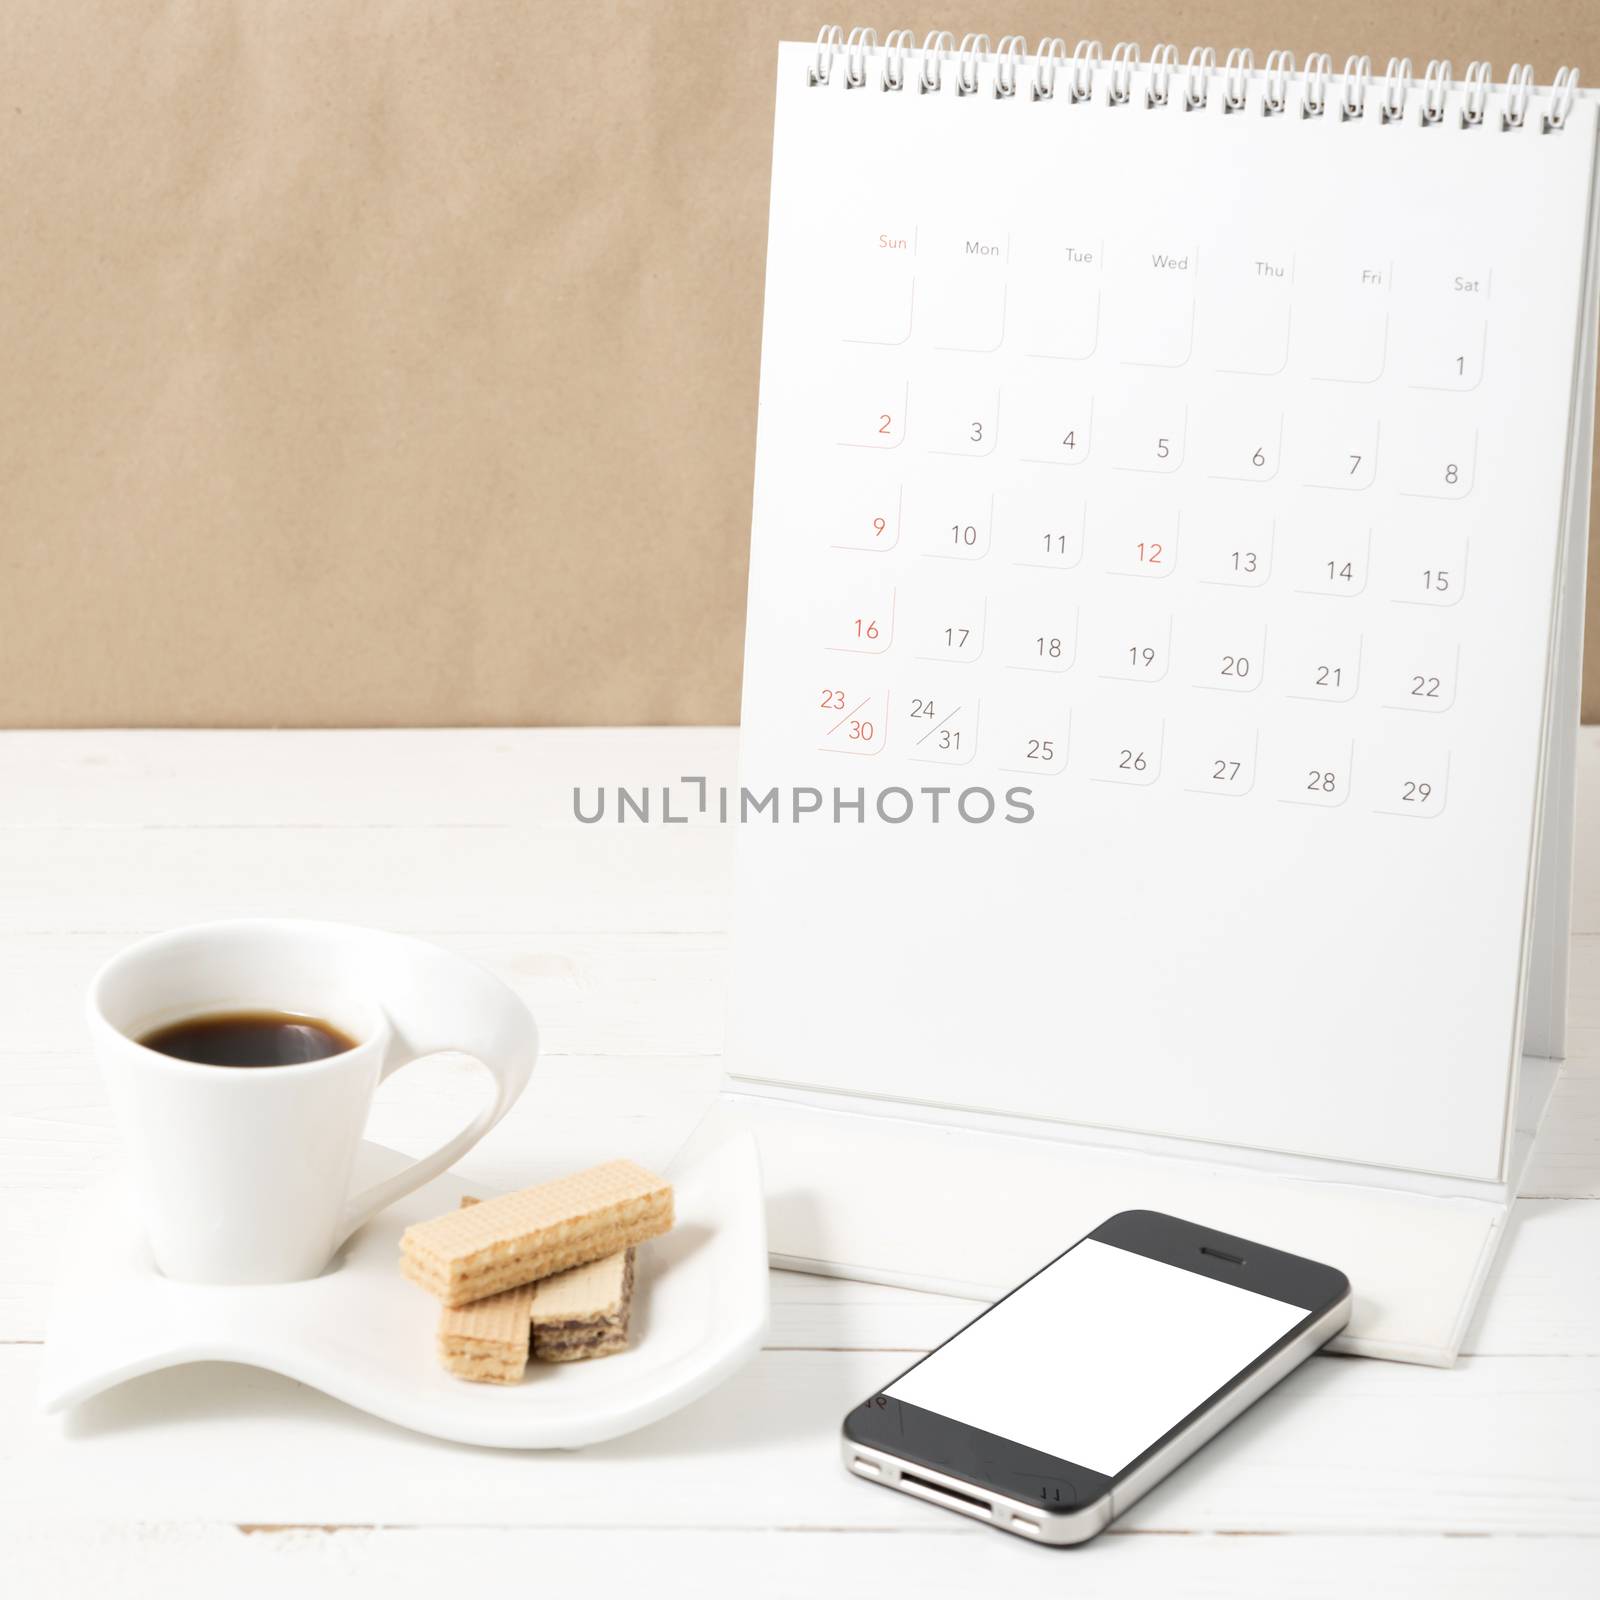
(1202, 475)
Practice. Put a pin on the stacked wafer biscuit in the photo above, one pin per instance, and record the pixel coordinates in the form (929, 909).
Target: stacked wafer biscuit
(547, 1271)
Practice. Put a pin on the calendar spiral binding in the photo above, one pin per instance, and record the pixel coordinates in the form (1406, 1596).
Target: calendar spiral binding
(1281, 88)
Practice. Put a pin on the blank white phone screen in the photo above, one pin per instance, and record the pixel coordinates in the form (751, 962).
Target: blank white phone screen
(1098, 1356)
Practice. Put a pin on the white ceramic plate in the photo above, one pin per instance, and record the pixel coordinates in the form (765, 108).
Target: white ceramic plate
(364, 1335)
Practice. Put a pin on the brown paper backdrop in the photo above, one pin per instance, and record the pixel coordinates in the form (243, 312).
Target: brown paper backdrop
(396, 363)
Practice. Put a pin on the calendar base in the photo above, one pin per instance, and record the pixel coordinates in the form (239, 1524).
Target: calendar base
(880, 1196)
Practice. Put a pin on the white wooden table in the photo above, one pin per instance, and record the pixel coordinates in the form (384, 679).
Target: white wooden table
(1356, 1476)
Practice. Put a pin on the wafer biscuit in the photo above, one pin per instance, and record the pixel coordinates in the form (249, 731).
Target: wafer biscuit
(482, 1250)
(583, 1312)
(488, 1341)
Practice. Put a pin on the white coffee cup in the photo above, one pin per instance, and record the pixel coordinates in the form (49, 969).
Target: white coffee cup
(242, 1174)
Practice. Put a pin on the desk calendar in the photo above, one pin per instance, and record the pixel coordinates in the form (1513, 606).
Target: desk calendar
(1196, 459)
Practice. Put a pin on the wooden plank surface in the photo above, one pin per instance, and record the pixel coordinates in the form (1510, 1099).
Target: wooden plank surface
(951, 1562)
(1364, 1474)
(1344, 1445)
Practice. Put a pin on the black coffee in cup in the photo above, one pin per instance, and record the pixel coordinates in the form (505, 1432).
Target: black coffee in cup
(249, 1039)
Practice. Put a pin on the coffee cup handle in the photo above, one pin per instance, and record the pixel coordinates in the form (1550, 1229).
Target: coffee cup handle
(435, 1001)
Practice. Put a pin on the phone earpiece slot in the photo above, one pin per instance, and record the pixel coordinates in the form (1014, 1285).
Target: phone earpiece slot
(1222, 1255)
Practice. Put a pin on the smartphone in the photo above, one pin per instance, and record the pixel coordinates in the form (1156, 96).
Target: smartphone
(1054, 1410)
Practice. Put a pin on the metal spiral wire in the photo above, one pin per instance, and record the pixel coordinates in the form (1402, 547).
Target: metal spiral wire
(976, 69)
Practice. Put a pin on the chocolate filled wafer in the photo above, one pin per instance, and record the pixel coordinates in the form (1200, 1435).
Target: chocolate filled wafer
(576, 1315)
(519, 1238)
(583, 1312)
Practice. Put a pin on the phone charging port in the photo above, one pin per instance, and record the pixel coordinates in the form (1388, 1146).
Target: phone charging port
(943, 1492)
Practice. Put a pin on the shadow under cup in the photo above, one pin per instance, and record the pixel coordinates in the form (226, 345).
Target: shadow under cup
(240, 1176)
